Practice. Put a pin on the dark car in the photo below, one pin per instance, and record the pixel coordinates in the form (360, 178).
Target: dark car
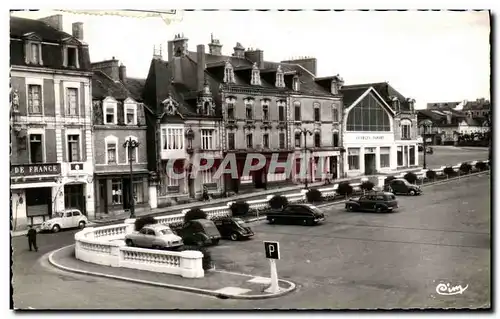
(233, 228)
(402, 186)
(200, 232)
(373, 202)
(305, 214)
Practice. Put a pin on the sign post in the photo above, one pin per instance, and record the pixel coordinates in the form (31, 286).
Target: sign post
(273, 253)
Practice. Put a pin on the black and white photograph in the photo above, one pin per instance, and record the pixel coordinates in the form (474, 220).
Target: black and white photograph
(190, 159)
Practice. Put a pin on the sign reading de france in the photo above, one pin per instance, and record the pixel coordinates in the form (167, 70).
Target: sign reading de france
(272, 249)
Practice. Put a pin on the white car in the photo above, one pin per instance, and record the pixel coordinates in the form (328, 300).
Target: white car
(155, 236)
(69, 218)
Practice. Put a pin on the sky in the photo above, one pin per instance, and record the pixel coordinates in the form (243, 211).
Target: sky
(429, 56)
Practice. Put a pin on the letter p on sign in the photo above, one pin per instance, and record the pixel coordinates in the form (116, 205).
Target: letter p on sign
(272, 249)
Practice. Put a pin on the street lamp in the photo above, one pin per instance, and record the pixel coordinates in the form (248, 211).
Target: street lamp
(130, 145)
(425, 124)
(306, 132)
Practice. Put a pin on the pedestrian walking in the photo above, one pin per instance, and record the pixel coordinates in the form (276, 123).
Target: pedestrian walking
(205, 193)
(32, 238)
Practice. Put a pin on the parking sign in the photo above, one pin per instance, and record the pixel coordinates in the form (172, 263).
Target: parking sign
(272, 249)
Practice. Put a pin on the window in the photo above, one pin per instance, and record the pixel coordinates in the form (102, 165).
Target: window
(36, 148)
(228, 73)
(317, 139)
(116, 191)
(130, 114)
(316, 112)
(353, 158)
(405, 132)
(265, 140)
(230, 141)
(138, 191)
(385, 157)
(172, 138)
(72, 55)
(281, 113)
(336, 139)
(111, 149)
(72, 101)
(265, 112)
(412, 155)
(249, 114)
(207, 139)
(297, 139)
(400, 156)
(73, 148)
(282, 140)
(297, 111)
(207, 176)
(230, 111)
(35, 53)
(335, 114)
(368, 116)
(172, 180)
(249, 140)
(35, 99)
(296, 83)
(110, 115)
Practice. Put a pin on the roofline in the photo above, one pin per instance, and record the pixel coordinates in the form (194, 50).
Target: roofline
(359, 99)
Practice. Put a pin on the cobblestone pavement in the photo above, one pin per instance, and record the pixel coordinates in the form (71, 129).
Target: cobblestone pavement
(450, 155)
(354, 260)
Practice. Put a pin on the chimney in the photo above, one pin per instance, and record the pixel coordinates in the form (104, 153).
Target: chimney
(55, 21)
(77, 29)
(122, 72)
(109, 67)
(200, 66)
(308, 63)
(215, 48)
(170, 51)
(448, 117)
(256, 56)
(239, 51)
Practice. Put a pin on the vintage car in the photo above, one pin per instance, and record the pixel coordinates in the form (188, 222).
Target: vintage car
(199, 232)
(233, 228)
(305, 214)
(155, 236)
(402, 186)
(69, 218)
(373, 202)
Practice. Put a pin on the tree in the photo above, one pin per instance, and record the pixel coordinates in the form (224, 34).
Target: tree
(367, 186)
(481, 166)
(143, 221)
(449, 171)
(240, 208)
(465, 168)
(195, 213)
(278, 202)
(314, 196)
(388, 179)
(345, 189)
(430, 174)
(411, 177)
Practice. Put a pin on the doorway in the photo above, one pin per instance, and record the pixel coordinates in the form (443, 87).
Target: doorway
(258, 178)
(333, 166)
(370, 164)
(126, 193)
(74, 197)
(103, 197)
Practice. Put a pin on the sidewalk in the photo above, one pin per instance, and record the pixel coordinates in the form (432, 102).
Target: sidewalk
(221, 284)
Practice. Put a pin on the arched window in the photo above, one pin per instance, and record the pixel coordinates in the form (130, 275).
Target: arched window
(228, 73)
(368, 116)
(296, 109)
(317, 117)
(206, 108)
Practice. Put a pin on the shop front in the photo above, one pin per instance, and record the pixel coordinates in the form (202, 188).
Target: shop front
(34, 190)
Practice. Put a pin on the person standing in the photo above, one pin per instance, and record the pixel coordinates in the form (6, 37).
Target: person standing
(32, 238)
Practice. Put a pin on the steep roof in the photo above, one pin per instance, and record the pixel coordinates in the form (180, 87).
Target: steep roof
(103, 86)
(385, 90)
(21, 26)
(135, 87)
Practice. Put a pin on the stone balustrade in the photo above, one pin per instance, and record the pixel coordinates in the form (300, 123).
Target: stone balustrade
(259, 204)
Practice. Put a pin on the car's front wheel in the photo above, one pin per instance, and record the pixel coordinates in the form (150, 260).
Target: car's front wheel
(379, 209)
(129, 242)
(56, 228)
(412, 192)
(350, 208)
(272, 221)
(81, 225)
(234, 236)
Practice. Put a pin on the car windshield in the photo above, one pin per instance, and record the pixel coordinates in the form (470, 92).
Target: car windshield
(165, 231)
(239, 221)
(314, 209)
(60, 214)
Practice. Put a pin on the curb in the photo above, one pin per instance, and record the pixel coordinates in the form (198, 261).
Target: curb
(170, 286)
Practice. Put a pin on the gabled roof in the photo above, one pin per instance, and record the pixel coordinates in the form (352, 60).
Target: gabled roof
(386, 91)
(103, 86)
(21, 26)
(356, 95)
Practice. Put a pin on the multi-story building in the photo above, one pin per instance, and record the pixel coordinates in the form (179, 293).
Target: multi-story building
(239, 104)
(118, 118)
(380, 129)
(51, 145)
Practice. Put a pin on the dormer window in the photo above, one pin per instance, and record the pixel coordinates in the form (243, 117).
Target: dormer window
(35, 53)
(229, 73)
(255, 75)
(33, 49)
(110, 111)
(296, 84)
(70, 54)
(280, 79)
(130, 113)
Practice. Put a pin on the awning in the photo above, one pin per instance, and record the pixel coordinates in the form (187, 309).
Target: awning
(33, 185)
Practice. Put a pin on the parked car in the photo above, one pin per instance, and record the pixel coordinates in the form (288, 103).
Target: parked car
(402, 186)
(233, 228)
(377, 201)
(200, 232)
(69, 218)
(429, 150)
(305, 214)
(155, 236)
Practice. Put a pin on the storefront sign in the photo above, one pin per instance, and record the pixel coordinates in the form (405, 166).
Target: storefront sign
(35, 169)
(368, 137)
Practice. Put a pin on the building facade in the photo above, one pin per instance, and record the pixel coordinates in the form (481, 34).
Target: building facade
(118, 118)
(380, 130)
(51, 145)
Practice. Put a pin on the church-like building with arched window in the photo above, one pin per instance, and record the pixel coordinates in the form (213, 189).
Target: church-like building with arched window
(379, 130)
